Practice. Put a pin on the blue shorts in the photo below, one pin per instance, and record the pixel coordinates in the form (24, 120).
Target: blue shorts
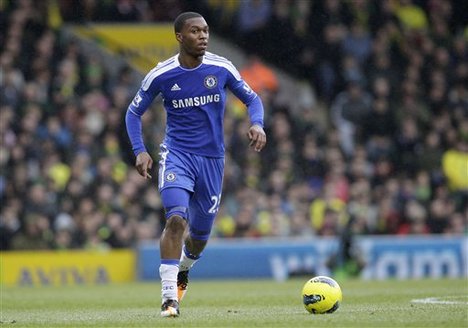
(190, 185)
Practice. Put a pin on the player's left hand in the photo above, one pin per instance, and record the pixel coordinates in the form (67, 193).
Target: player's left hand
(257, 137)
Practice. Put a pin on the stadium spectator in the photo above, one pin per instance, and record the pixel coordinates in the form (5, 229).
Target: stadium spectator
(35, 235)
(253, 16)
(259, 76)
(357, 43)
(454, 163)
(349, 112)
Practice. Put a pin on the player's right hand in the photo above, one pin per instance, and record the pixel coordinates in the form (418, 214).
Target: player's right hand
(144, 162)
(257, 137)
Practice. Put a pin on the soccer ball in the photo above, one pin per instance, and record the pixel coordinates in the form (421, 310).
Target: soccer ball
(321, 294)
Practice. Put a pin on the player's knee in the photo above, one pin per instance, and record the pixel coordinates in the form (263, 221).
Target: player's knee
(175, 224)
(179, 211)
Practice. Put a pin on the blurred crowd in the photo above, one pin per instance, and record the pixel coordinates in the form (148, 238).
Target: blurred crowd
(384, 146)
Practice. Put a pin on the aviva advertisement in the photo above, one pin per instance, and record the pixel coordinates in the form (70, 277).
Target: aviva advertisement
(141, 45)
(49, 268)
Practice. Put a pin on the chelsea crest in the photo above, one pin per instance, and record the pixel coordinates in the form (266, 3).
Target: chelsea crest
(210, 81)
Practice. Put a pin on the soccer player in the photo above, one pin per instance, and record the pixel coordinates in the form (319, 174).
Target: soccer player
(193, 88)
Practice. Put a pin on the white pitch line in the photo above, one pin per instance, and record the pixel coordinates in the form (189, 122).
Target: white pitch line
(436, 300)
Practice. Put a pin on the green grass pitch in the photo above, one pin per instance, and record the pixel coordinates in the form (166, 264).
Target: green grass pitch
(252, 303)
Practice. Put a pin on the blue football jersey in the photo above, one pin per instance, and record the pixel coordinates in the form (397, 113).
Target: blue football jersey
(194, 100)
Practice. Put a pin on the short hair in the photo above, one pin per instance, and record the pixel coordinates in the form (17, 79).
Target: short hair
(179, 22)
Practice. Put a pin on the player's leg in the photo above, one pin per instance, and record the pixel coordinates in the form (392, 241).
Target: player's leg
(204, 205)
(194, 244)
(191, 253)
(176, 180)
(176, 202)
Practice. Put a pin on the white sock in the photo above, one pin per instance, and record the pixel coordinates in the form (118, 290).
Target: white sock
(187, 260)
(168, 274)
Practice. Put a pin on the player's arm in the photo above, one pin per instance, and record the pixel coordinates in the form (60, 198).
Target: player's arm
(135, 111)
(254, 105)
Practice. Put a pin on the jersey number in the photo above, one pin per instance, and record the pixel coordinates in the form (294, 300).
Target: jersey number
(216, 201)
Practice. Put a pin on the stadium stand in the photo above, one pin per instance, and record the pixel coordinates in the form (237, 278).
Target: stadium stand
(391, 153)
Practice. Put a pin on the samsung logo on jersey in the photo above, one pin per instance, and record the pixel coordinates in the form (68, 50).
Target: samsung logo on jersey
(196, 101)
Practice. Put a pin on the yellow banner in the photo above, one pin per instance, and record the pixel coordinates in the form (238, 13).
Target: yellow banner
(60, 268)
(142, 45)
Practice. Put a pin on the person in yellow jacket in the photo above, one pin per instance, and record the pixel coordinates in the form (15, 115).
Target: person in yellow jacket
(455, 166)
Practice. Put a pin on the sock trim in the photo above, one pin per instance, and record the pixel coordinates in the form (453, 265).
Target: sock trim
(170, 261)
(189, 255)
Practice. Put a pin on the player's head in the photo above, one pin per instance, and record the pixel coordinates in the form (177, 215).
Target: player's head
(191, 31)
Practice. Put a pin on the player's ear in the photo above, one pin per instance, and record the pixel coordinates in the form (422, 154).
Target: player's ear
(178, 36)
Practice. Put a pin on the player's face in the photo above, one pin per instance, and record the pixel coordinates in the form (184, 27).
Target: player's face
(194, 36)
